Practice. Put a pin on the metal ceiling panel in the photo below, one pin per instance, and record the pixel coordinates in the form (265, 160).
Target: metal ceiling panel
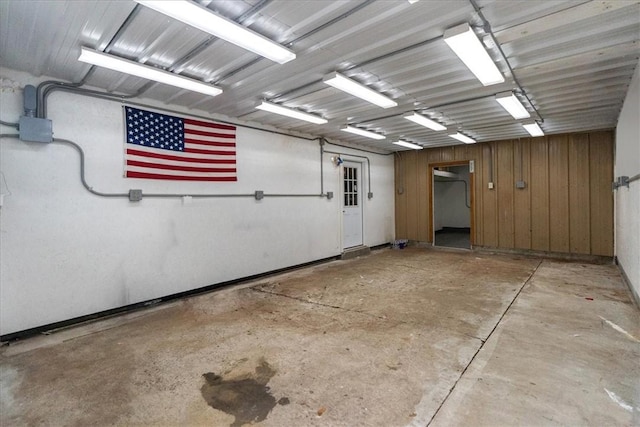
(573, 59)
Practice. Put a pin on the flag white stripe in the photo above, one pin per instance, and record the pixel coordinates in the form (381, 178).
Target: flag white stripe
(188, 145)
(178, 163)
(180, 173)
(180, 153)
(188, 127)
(209, 138)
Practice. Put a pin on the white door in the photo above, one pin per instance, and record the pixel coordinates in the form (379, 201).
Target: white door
(351, 205)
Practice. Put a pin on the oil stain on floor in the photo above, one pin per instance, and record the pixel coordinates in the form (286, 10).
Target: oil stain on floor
(247, 398)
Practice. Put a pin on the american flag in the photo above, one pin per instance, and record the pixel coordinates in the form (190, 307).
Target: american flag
(175, 148)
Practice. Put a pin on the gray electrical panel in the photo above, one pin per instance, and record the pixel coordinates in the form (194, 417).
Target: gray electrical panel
(35, 130)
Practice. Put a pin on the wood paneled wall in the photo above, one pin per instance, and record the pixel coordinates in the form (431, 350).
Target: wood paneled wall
(567, 205)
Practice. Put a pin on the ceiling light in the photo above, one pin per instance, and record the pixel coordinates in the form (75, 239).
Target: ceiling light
(362, 132)
(512, 104)
(533, 128)
(204, 19)
(422, 120)
(100, 59)
(290, 112)
(356, 89)
(408, 145)
(464, 42)
(462, 138)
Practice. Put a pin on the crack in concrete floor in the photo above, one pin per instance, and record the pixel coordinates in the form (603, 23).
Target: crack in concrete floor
(358, 342)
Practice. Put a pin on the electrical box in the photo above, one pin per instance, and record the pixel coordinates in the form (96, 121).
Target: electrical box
(135, 195)
(329, 195)
(34, 129)
(259, 195)
(521, 184)
(370, 195)
(490, 186)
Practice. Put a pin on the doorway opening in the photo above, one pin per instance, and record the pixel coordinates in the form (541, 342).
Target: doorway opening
(452, 209)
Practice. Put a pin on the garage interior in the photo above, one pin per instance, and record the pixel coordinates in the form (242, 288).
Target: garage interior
(351, 226)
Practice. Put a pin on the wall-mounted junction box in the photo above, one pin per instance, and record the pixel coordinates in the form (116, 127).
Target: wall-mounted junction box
(521, 184)
(490, 186)
(34, 129)
(135, 195)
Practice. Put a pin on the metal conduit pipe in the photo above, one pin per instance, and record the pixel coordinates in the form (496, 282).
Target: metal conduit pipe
(152, 195)
(466, 190)
(361, 157)
(113, 97)
(13, 125)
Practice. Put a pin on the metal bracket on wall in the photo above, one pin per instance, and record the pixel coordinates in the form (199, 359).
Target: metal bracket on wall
(621, 181)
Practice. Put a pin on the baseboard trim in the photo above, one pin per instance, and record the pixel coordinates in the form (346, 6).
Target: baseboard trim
(101, 315)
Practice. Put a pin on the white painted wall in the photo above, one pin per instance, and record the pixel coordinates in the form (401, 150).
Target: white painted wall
(449, 201)
(627, 200)
(67, 253)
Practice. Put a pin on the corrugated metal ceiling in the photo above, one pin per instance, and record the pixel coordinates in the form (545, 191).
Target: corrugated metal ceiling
(573, 59)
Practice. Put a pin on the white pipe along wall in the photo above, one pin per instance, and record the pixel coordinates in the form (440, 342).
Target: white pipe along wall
(627, 198)
(68, 253)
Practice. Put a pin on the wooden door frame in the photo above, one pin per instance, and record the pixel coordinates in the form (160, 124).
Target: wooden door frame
(431, 227)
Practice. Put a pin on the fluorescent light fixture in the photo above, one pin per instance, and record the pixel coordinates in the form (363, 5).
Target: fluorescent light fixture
(464, 42)
(408, 145)
(462, 138)
(290, 112)
(204, 19)
(533, 128)
(354, 88)
(512, 104)
(422, 120)
(100, 59)
(362, 132)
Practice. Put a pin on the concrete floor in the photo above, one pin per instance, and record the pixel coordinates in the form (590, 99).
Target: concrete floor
(453, 238)
(400, 337)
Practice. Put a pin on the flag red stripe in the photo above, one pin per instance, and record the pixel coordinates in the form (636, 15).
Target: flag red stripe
(134, 152)
(215, 152)
(131, 174)
(177, 168)
(208, 124)
(207, 133)
(214, 144)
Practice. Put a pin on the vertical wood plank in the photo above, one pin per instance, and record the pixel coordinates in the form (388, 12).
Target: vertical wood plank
(412, 192)
(489, 200)
(522, 196)
(423, 197)
(579, 194)
(559, 193)
(539, 190)
(400, 197)
(504, 189)
(601, 196)
(447, 154)
(478, 182)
